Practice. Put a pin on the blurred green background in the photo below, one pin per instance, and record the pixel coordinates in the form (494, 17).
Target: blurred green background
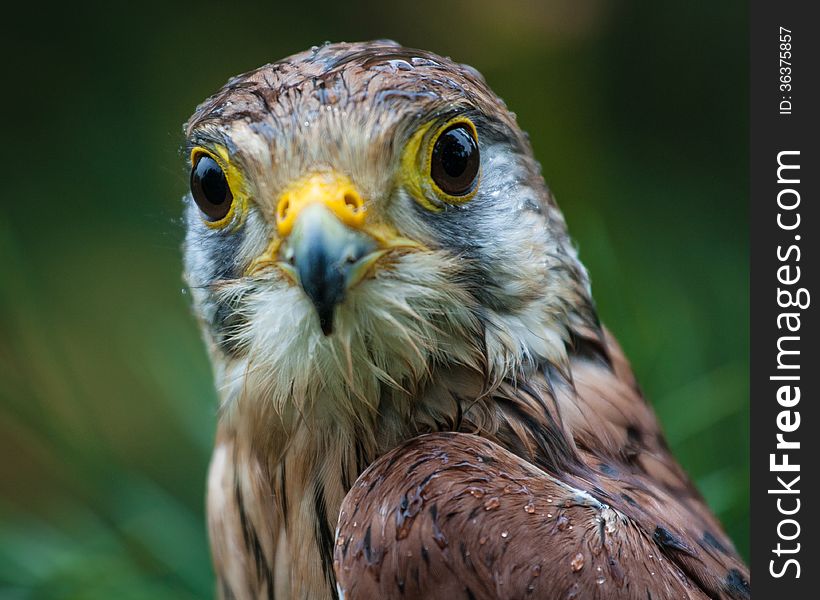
(637, 111)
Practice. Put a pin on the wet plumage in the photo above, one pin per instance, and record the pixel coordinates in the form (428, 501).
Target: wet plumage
(359, 299)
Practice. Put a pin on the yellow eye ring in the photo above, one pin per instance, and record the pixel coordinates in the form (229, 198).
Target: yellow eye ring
(217, 187)
(441, 164)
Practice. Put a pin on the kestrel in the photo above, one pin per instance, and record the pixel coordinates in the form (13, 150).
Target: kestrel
(417, 399)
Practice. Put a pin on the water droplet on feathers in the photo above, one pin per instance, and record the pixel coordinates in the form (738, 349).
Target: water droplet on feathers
(505, 534)
(492, 503)
(400, 65)
(529, 507)
(476, 492)
(577, 563)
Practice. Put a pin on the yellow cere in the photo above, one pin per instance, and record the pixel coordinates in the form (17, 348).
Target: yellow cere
(236, 183)
(331, 189)
(416, 165)
(337, 193)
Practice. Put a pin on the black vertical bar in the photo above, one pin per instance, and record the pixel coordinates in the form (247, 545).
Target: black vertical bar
(785, 67)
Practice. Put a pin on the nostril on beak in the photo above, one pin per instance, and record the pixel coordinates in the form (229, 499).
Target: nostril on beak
(353, 202)
(284, 222)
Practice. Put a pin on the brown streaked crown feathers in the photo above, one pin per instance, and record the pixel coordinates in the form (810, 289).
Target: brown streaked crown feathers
(438, 413)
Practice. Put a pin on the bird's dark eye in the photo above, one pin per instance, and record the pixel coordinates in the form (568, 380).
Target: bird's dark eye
(455, 160)
(210, 189)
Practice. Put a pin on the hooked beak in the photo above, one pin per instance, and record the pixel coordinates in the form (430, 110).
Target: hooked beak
(327, 258)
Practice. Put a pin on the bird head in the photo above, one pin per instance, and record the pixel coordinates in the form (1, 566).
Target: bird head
(362, 216)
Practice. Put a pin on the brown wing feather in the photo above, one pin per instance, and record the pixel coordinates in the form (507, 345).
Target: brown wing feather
(458, 516)
(453, 515)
